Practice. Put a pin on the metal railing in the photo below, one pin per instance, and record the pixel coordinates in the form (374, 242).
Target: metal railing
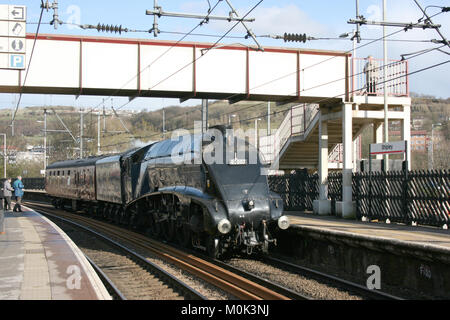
(336, 154)
(296, 122)
(421, 197)
(369, 79)
(298, 190)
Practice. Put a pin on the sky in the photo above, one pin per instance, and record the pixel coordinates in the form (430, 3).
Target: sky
(320, 19)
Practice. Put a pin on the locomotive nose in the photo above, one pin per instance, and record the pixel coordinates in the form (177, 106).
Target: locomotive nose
(250, 211)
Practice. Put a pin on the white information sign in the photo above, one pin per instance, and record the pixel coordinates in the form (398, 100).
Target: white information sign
(12, 36)
(387, 148)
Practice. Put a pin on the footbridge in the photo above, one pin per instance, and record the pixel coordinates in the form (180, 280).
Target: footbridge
(77, 65)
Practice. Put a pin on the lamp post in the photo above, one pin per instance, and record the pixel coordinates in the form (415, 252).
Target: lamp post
(45, 137)
(4, 154)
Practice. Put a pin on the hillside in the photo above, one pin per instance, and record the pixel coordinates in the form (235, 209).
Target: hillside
(148, 126)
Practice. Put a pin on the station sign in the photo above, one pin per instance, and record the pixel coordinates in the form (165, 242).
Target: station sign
(388, 147)
(13, 36)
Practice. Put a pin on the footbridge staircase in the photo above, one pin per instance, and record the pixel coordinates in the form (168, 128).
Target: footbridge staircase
(295, 144)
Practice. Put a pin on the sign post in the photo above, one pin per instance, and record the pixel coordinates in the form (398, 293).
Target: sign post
(388, 148)
(394, 147)
(13, 36)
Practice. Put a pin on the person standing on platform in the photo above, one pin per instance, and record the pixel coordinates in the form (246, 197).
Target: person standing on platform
(7, 194)
(2, 219)
(18, 192)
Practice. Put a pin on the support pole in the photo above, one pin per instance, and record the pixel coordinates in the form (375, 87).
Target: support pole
(346, 207)
(98, 135)
(164, 124)
(386, 121)
(322, 206)
(406, 133)
(12, 122)
(45, 139)
(81, 133)
(204, 115)
(4, 154)
(104, 116)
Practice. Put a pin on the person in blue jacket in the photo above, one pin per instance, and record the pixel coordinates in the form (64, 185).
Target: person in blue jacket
(18, 192)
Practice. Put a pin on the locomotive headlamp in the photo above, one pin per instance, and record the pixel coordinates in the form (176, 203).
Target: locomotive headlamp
(251, 203)
(283, 222)
(224, 226)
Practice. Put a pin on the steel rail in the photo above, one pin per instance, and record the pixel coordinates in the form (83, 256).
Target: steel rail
(106, 280)
(226, 280)
(376, 294)
(264, 282)
(187, 290)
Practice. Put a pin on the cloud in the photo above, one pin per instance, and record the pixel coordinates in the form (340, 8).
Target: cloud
(286, 19)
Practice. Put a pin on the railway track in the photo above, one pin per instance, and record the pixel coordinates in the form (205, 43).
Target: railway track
(126, 274)
(350, 286)
(228, 280)
(335, 282)
(201, 266)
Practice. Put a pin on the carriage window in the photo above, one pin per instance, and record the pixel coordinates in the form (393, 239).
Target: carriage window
(68, 172)
(58, 173)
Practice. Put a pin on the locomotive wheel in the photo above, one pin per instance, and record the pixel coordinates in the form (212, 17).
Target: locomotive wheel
(168, 229)
(118, 215)
(165, 232)
(89, 211)
(155, 228)
(105, 213)
(113, 214)
(99, 212)
(184, 236)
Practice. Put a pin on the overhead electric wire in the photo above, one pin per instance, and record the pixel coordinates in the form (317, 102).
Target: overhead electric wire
(207, 50)
(165, 52)
(148, 66)
(315, 102)
(355, 90)
(284, 110)
(276, 79)
(333, 57)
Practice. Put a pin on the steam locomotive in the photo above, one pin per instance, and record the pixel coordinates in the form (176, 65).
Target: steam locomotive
(208, 191)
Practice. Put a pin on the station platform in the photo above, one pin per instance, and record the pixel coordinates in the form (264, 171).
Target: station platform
(408, 261)
(420, 237)
(38, 261)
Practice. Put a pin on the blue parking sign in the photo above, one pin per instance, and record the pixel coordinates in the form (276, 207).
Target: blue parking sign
(17, 61)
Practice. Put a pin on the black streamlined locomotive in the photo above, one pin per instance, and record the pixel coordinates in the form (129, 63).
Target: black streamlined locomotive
(208, 191)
